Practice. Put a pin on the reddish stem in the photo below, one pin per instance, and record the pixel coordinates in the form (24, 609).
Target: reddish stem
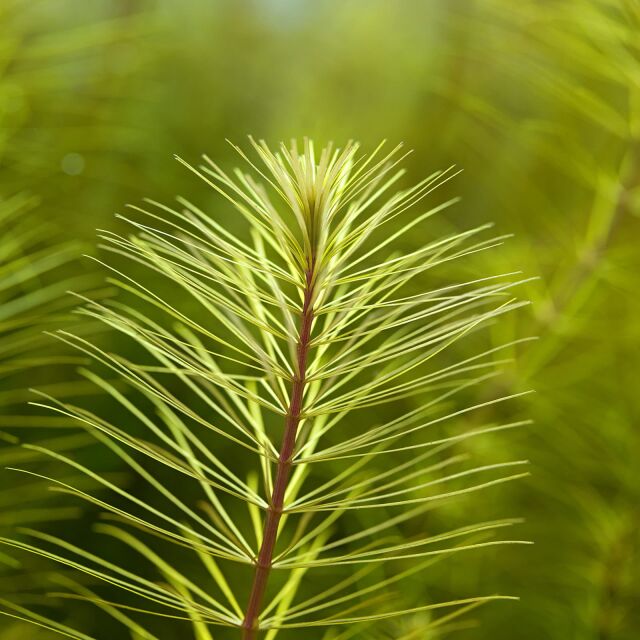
(250, 624)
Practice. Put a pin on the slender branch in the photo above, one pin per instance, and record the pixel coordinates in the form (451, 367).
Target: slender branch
(250, 624)
(627, 181)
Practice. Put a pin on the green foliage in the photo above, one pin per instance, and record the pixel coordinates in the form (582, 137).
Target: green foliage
(537, 101)
(266, 357)
(34, 281)
(40, 63)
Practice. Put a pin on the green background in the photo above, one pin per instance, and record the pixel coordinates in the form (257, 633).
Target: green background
(539, 104)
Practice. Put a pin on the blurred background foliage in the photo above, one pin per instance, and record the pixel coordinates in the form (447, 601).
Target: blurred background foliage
(539, 103)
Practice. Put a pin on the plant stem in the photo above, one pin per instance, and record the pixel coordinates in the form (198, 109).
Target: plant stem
(274, 512)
